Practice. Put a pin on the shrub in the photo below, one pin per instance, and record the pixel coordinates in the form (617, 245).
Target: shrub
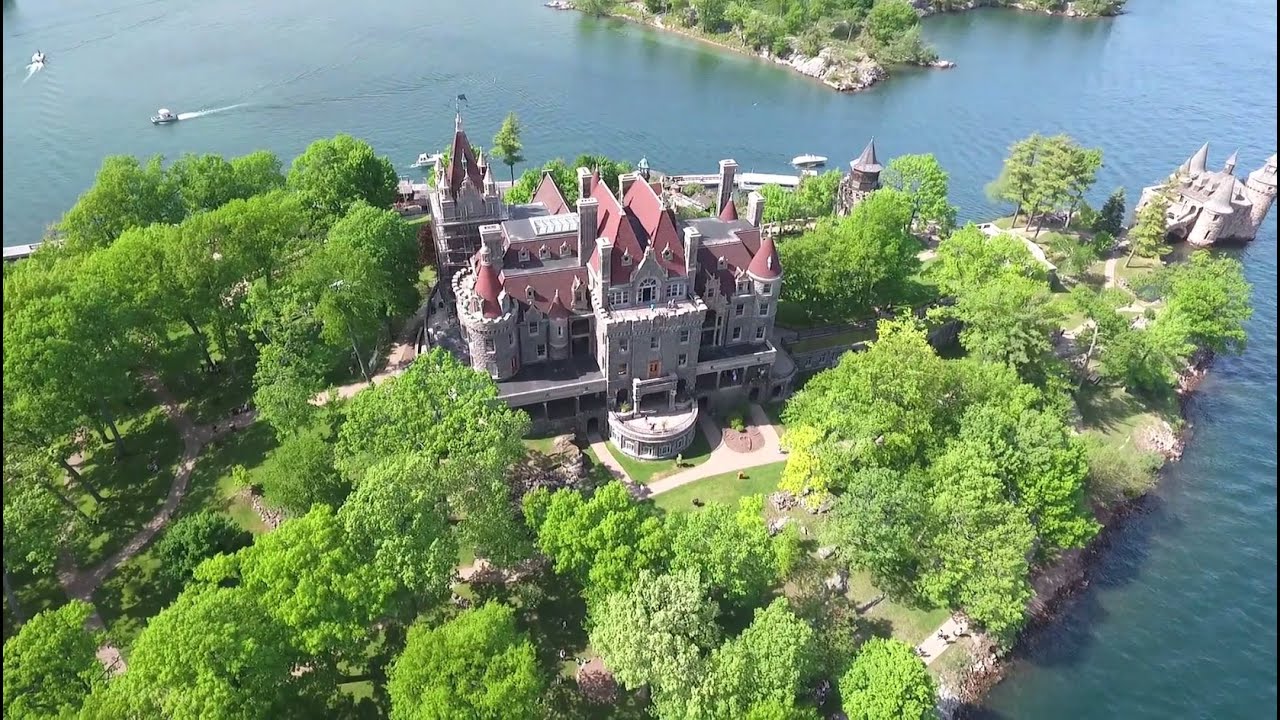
(737, 422)
(195, 538)
(1117, 474)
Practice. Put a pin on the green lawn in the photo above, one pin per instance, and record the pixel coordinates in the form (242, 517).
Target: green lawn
(1113, 413)
(646, 471)
(726, 488)
(844, 337)
(910, 625)
(540, 444)
(414, 221)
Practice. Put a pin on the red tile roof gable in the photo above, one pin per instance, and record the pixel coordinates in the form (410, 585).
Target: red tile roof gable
(548, 193)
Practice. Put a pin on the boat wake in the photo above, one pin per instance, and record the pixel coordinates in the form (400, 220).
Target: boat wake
(32, 69)
(211, 111)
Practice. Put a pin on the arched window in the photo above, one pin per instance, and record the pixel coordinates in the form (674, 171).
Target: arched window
(528, 292)
(543, 253)
(648, 291)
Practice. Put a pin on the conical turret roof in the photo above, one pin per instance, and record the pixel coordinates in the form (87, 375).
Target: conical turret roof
(557, 310)
(1197, 163)
(729, 212)
(765, 264)
(867, 161)
(1220, 201)
(1230, 165)
(488, 287)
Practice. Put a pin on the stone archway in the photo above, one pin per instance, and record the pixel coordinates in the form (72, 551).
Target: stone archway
(593, 426)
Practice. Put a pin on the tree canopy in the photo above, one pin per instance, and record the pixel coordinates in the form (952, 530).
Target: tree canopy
(926, 183)
(507, 146)
(887, 682)
(333, 174)
(50, 665)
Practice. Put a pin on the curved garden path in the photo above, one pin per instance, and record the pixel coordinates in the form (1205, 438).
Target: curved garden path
(80, 583)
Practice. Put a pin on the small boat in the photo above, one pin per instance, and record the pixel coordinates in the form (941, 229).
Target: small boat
(424, 160)
(37, 58)
(163, 117)
(811, 161)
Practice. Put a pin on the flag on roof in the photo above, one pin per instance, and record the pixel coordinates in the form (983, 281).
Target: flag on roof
(462, 97)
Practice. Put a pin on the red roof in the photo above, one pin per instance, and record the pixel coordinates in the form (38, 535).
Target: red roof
(638, 222)
(765, 265)
(487, 288)
(729, 212)
(557, 309)
(550, 196)
(546, 285)
(462, 163)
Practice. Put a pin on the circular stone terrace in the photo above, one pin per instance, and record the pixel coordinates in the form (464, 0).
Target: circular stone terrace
(654, 435)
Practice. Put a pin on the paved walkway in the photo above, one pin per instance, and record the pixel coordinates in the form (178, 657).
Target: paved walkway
(933, 646)
(1109, 272)
(80, 584)
(724, 460)
(399, 357)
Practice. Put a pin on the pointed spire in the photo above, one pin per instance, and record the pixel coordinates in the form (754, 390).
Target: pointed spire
(1198, 161)
(729, 212)
(1220, 201)
(867, 162)
(457, 122)
(557, 310)
(1230, 166)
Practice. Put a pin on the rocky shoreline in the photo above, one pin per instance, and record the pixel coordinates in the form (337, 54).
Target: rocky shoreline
(925, 8)
(1057, 583)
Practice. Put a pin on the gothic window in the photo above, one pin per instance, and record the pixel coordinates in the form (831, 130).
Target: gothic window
(648, 291)
(720, 263)
(528, 292)
(559, 331)
(565, 250)
(666, 253)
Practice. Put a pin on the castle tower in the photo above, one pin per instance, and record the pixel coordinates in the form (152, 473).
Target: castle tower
(1229, 167)
(1216, 214)
(487, 317)
(1198, 162)
(862, 180)
(1260, 189)
(558, 334)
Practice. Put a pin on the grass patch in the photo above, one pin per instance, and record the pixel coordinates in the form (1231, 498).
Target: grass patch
(131, 596)
(910, 625)
(1003, 223)
(541, 444)
(725, 488)
(646, 471)
(132, 492)
(418, 220)
(213, 484)
(953, 662)
(35, 593)
(1113, 414)
(843, 337)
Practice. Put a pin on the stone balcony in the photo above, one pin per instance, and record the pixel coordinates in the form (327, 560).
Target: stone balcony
(654, 435)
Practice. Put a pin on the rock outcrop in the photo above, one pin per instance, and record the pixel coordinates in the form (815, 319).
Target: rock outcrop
(835, 68)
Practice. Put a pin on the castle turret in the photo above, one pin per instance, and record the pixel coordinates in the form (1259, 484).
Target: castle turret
(862, 180)
(558, 335)
(1229, 167)
(1260, 189)
(729, 212)
(1216, 213)
(1198, 162)
(487, 318)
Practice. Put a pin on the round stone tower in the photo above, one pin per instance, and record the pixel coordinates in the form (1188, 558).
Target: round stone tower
(1216, 214)
(1260, 188)
(862, 180)
(558, 333)
(487, 317)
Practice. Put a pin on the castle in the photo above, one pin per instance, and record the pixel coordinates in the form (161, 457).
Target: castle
(1207, 206)
(611, 314)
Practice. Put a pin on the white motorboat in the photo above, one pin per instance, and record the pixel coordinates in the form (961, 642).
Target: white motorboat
(37, 58)
(164, 117)
(808, 161)
(424, 160)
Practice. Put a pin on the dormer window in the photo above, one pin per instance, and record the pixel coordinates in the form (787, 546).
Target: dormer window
(720, 263)
(626, 258)
(543, 253)
(666, 253)
(524, 255)
(744, 286)
(565, 250)
(528, 292)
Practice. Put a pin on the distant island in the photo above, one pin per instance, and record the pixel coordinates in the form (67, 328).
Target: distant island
(846, 45)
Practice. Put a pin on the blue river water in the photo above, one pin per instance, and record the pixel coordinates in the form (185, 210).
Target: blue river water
(1180, 618)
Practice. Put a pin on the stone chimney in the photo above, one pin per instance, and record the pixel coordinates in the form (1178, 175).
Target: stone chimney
(692, 243)
(728, 169)
(755, 208)
(491, 239)
(588, 209)
(605, 245)
(625, 181)
(584, 182)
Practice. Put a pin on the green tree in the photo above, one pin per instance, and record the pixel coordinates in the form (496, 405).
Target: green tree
(313, 579)
(1009, 320)
(710, 13)
(1111, 216)
(400, 514)
(51, 665)
(507, 146)
(925, 182)
(125, 194)
(656, 634)
(383, 236)
(35, 518)
(889, 20)
(445, 412)
(258, 172)
(1146, 237)
(194, 538)
(603, 542)
(300, 473)
(887, 682)
(969, 260)
(331, 175)
(766, 666)
(477, 665)
(608, 169)
(816, 195)
(215, 653)
(597, 8)
(284, 384)
(1209, 298)
(877, 523)
(204, 181)
(1082, 171)
(730, 549)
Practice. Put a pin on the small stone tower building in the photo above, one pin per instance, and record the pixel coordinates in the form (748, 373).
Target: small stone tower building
(1207, 206)
(862, 180)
